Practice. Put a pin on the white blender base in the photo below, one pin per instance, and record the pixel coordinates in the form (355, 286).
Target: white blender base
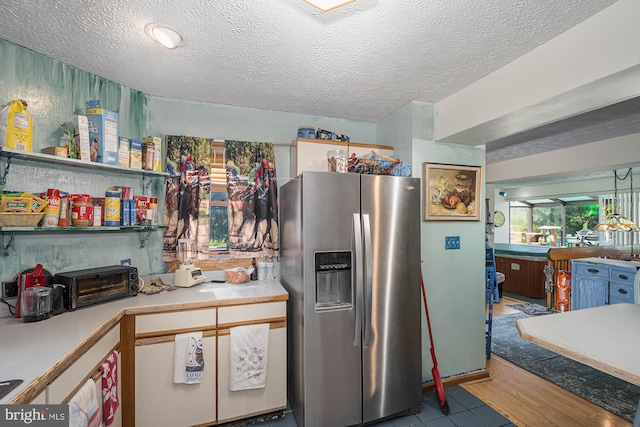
(188, 278)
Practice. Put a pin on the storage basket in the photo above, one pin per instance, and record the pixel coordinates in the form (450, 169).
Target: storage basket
(18, 219)
(377, 164)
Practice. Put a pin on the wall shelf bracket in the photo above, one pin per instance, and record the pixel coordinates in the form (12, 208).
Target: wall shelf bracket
(5, 249)
(144, 237)
(146, 183)
(5, 172)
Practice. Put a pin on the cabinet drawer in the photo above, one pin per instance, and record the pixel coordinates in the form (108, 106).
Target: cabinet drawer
(592, 270)
(623, 275)
(176, 320)
(252, 312)
(621, 291)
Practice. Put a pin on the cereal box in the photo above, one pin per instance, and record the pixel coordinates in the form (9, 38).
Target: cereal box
(157, 152)
(135, 154)
(103, 135)
(81, 137)
(123, 152)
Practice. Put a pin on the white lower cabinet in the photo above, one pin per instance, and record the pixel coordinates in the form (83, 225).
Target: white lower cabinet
(233, 405)
(68, 383)
(160, 402)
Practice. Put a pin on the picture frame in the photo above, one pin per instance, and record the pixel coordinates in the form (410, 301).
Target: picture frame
(452, 192)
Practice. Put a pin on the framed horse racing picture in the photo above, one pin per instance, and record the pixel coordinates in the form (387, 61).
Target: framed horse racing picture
(452, 192)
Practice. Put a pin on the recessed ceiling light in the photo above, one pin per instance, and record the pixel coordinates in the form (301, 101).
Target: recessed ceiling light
(327, 5)
(163, 35)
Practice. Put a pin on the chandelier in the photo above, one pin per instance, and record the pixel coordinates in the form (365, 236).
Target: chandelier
(615, 221)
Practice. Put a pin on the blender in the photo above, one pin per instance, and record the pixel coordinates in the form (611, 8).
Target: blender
(187, 275)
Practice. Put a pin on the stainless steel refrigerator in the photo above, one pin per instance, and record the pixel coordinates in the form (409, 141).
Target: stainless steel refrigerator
(350, 260)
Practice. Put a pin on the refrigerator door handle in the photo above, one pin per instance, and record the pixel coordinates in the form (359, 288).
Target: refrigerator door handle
(357, 261)
(368, 278)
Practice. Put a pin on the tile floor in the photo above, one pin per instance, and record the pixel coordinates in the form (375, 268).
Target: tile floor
(466, 410)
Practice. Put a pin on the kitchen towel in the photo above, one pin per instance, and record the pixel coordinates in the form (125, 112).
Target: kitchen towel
(248, 358)
(84, 410)
(188, 358)
(110, 400)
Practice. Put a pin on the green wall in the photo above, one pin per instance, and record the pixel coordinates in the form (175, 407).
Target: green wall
(56, 91)
(454, 279)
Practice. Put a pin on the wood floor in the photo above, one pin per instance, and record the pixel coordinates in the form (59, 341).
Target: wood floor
(529, 401)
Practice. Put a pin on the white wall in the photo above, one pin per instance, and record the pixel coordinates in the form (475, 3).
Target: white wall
(594, 64)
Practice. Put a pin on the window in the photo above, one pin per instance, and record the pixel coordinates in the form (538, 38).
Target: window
(218, 217)
(554, 222)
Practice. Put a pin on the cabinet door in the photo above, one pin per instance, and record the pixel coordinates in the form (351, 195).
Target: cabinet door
(160, 402)
(589, 292)
(235, 405)
(64, 387)
(312, 154)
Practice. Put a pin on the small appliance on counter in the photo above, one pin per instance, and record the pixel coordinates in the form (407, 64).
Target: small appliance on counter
(97, 285)
(35, 303)
(187, 275)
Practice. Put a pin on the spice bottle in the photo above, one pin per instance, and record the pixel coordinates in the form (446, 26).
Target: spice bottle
(254, 273)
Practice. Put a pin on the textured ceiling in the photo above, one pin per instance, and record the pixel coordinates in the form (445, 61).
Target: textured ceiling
(360, 62)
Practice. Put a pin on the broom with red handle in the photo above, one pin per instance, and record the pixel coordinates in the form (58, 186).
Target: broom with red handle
(442, 399)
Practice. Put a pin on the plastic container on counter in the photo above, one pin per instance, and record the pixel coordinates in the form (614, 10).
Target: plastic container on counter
(337, 160)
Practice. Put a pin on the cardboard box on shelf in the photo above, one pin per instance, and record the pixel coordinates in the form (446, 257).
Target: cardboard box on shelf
(135, 154)
(16, 126)
(81, 137)
(103, 135)
(124, 152)
(56, 151)
(157, 152)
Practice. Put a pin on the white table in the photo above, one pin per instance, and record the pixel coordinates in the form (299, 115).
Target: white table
(606, 338)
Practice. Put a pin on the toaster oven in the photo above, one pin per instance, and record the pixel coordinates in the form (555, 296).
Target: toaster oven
(97, 285)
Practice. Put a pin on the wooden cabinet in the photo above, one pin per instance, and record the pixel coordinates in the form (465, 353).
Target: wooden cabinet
(158, 400)
(522, 276)
(595, 284)
(311, 154)
(234, 405)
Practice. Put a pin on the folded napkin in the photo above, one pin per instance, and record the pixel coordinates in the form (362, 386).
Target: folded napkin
(188, 358)
(84, 410)
(110, 400)
(249, 348)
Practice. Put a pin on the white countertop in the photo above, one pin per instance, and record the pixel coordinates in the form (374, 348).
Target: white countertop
(612, 262)
(29, 349)
(605, 338)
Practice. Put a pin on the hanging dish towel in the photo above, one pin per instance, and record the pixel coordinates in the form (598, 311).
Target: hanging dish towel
(84, 410)
(110, 400)
(248, 358)
(188, 359)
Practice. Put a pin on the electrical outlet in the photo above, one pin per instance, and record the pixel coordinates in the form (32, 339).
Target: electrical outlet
(9, 290)
(452, 242)
(126, 262)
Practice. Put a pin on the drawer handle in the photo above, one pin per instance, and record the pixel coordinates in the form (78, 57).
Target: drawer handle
(593, 270)
(622, 291)
(623, 277)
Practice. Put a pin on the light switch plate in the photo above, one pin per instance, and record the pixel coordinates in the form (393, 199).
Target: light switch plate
(452, 242)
